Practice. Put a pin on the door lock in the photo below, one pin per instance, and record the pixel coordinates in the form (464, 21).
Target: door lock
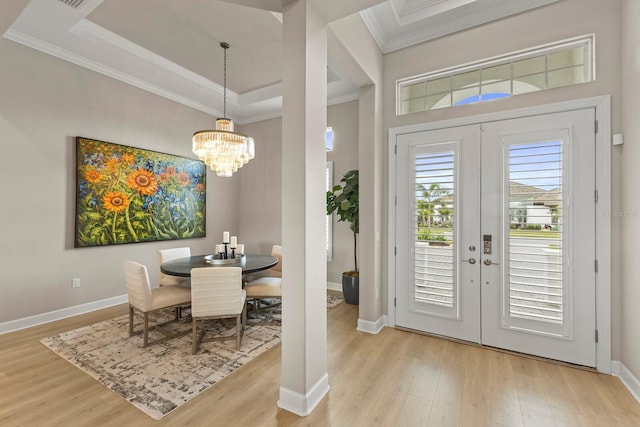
(486, 248)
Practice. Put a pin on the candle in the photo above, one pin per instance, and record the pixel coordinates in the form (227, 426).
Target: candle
(219, 248)
(234, 242)
(225, 237)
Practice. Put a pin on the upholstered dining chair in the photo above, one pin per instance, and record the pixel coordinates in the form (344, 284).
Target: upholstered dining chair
(144, 299)
(165, 255)
(216, 293)
(275, 271)
(268, 286)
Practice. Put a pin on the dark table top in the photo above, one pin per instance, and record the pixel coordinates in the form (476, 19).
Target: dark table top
(250, 264)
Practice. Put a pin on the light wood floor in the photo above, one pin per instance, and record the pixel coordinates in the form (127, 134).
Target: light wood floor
(394, 378)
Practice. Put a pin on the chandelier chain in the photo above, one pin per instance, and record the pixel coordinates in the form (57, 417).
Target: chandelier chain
(225, 46)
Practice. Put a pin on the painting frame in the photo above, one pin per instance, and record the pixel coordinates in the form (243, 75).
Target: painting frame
(126, 194)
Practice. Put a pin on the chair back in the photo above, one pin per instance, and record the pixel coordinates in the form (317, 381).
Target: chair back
(165, 255)
(138, 286)
(216, 291)
(276, 251)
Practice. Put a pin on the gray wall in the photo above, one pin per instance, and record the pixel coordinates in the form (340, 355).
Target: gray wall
(44, 103)
(260, 196)
(543, 25)
(343, 119)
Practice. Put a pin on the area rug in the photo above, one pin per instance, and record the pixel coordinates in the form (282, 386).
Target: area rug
(161, 377)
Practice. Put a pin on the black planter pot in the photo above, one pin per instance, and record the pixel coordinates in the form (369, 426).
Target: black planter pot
(351, 289)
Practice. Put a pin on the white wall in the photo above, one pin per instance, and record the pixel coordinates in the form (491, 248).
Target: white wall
(630, 212)
(260, 195)
(561, 20)
(44, 104)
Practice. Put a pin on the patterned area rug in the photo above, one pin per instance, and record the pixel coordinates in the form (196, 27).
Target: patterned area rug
(160, 378)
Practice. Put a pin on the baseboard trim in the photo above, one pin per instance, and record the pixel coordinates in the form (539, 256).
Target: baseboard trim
(626, 376)
(39, 319)
(304, 404)
(332, 286)
(52, 316)
(371, 327)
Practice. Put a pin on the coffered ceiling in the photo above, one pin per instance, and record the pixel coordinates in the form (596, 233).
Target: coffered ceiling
(172, 48)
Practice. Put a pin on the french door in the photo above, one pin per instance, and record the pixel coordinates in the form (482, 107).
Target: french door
(496, 234)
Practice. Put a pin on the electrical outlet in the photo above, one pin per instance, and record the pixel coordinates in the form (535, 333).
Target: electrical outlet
(75, 283)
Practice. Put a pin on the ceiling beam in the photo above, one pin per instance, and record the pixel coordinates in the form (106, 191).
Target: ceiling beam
(337, 9)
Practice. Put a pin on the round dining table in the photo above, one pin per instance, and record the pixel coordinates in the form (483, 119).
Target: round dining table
(249, 263)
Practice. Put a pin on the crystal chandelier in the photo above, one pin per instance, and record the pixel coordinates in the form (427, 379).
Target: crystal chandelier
(222, 149)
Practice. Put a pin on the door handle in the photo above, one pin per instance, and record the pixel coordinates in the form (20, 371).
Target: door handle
(470, 260)
(488, 262)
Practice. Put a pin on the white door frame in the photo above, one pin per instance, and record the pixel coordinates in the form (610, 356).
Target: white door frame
(602, 105)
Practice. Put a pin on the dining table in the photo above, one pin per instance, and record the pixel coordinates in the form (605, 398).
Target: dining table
(181, 267)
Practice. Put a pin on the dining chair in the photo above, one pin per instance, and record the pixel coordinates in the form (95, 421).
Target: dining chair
(165, 255)
(145, 300)
(266, 291)
(216, 293)
(275, 271)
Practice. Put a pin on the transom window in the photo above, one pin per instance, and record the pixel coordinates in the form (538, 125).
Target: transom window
(554, 65)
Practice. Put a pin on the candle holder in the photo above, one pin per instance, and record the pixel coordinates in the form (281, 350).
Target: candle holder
(216, 259)
(233, 252)
(226, 254)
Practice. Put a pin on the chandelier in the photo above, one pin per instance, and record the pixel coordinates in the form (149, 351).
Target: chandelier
(222, 149)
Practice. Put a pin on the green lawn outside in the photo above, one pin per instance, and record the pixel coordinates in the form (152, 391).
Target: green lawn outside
(535, 234)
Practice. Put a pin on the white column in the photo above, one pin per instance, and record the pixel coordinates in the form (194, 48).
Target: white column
(304, 327)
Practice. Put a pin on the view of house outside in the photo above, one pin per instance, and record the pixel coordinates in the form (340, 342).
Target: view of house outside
(532, 239)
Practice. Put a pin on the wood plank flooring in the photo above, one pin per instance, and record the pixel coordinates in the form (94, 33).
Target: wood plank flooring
(394, 378)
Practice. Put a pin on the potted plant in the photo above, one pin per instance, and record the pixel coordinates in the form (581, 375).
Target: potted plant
(343, 200)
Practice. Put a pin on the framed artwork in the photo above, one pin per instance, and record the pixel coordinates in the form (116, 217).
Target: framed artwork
(130, 195)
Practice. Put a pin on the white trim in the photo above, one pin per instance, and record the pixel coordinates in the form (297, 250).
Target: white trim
(84, 43)
(390, 35)
(371, 327)
(603, 235)
(304, 404)
(628, 379)
(329, 187)
(39, 319)
(602, 105)
(333, 286)
(392, 193)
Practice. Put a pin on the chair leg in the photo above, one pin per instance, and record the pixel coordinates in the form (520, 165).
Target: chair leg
(145, 340)
(244, 318)
(194, 338)
(238, 331)
(130, 321)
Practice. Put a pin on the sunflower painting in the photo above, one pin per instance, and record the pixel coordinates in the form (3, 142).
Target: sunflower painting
(129, 195)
